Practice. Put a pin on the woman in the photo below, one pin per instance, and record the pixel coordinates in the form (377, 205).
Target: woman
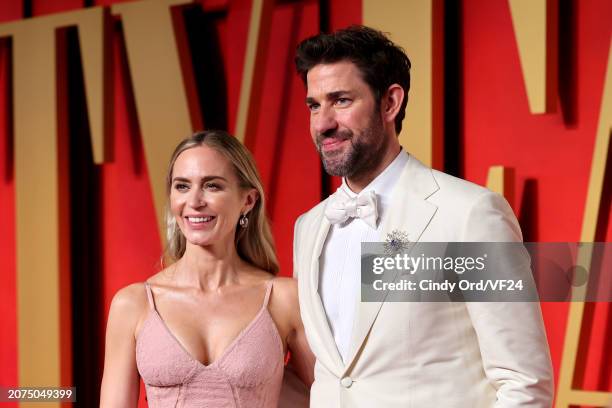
(213, 328)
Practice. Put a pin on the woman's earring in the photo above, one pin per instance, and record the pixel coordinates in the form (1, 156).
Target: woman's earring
(244, 221)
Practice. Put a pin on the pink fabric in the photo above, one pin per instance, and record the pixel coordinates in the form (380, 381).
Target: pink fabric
(249, 373)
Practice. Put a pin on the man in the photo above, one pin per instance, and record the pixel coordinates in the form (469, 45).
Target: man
(392, 354)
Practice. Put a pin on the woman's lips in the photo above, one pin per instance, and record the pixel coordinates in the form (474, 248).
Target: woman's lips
(200, 222)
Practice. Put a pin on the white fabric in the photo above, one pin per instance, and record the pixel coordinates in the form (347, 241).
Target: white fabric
(340, 268)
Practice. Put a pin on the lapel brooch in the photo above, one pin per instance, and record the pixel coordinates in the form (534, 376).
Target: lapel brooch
(396, 242)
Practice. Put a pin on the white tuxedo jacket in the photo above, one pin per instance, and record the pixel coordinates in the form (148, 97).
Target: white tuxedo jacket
(443, 354)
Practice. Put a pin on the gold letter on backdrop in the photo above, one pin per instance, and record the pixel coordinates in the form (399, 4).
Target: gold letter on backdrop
(501, 180)
(41, 176)
(41, 157)
(535, 26)
(417, 26)
(254, 69)
(567, 395)
(159, 91)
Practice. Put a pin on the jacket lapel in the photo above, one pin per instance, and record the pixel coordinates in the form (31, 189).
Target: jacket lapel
(410, 213)
(325, 348)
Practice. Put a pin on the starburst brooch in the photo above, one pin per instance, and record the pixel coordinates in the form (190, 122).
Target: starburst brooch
(396, 242)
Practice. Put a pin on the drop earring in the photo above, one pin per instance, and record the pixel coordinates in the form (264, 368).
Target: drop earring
(244, 221)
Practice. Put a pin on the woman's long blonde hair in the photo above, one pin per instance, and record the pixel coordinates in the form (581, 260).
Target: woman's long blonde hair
(254, 243)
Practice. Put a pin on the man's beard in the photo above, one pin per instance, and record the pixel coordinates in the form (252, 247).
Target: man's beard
(364, 152)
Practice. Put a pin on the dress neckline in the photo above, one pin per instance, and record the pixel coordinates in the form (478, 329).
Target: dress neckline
(232, 344)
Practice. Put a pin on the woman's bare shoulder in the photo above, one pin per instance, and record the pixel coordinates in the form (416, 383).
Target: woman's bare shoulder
(127, 310)
(129, 299)
(285, 284)
(285, 290)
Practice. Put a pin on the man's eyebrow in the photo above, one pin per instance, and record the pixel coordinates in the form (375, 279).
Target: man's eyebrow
(329, 96)
(207, 178)
(336, 94)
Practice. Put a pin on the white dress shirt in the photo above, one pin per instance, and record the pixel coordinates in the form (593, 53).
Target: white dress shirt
(340, 261)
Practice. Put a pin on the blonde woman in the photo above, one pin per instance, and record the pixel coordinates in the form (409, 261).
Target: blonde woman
(213, 328)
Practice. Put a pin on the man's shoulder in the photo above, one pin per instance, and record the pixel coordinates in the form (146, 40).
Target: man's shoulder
(424, 180)
(459, 197)
(452, 193)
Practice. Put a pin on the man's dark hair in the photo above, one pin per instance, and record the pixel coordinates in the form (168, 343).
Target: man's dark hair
(380, 61)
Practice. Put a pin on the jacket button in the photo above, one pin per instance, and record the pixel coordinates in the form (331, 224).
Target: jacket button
(346, 382)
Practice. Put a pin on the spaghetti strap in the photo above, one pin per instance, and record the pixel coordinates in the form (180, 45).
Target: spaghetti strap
(150, 296)
(268, 291)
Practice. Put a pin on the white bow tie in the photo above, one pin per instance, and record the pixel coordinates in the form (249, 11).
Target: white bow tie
(341, 207)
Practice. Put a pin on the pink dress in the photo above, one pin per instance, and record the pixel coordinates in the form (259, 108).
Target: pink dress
(249, 373)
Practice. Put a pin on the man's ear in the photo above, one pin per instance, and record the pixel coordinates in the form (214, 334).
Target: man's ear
(249, 201)
(392, 102)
